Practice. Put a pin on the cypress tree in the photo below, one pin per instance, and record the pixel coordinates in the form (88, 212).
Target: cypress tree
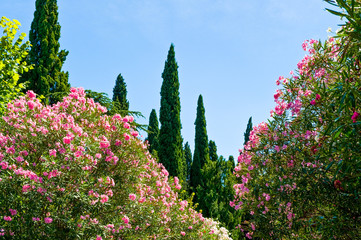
(248, 130)
(46, 78)
(201, 150)
(153, 132)
(231, 163)
(213, 156)
(188, 157)
(170, 149)
(120, 102)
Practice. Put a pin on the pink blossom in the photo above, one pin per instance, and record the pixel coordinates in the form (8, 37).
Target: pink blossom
(99, 237)
(67, 140)
(31, 105)
(355, 116)
(104, 198)
(125, 219)
(132, 196)
(104, 144)
(183, 233)
(7, 218)
(31, 94)
(48, 220)
(13, 212)
(126, 136)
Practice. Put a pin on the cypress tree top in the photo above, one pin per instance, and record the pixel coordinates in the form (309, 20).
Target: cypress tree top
(170, 140)
(248, 130)
(201, 150)
(46, 78)
(188, 157)
(153, 131)
(120, 94)
(213, 151)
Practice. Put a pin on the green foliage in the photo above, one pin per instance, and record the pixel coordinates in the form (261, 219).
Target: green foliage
(101, 98)
(12, 64)
(153, 132)
(231, 163)
(188, 157)
(212, 151)
(215, 191)
(170, 140)
(120, 102)
(201, 149)
(46, 78)
(248, 130)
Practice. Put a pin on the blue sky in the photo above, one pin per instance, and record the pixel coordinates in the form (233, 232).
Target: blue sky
(230, 51)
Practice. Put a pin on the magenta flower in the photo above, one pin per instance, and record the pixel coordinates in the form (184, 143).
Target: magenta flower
(48, 220)
(7, 218)
(355, 116)
(125, 219)
(132, 196)
(104, 198)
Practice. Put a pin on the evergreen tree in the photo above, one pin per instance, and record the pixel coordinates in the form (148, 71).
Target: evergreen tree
(201, 150)
(46, 78)
(120, 102)
(188, 157)
(231, 163)
(153, 132)
(248, 130)
(213, 151)
(170, 149)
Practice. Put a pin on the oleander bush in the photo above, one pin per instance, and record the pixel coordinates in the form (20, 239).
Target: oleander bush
(69, 171)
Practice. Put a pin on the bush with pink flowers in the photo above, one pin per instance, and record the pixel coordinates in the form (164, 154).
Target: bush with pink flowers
(300, 173)
(69, 171)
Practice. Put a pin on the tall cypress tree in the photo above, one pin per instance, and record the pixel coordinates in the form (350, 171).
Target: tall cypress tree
(248, 130)
(120, 102)
(170, 149)
(46, 78)
(201, 150)
(188, 157)
(153, 132)
(213, 156)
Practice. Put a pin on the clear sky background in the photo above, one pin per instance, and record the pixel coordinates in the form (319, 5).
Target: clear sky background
(230, 51)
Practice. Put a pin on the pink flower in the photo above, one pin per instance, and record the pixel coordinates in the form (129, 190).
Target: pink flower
(52, 152)
(318, 97)
(31, 105)
(31, 94)
(99, 237)
(126, 136)
(132, 196)
(7, 218)
(125, 219)
(13, 212)
(355, 116)
(135, 133)
(104, 198)
(183, 233)
(48, 220)
(104, 144)
(67, 140)
(313, 102)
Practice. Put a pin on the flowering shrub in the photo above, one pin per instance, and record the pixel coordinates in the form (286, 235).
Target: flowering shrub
(68, 171)
(300, 173)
